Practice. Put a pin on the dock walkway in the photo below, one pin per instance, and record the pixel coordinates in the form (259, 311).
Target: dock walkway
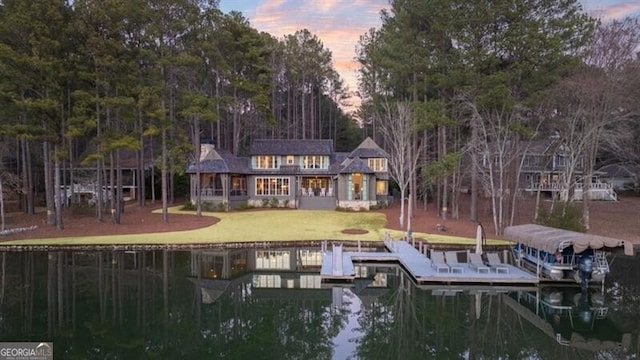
(417, 264)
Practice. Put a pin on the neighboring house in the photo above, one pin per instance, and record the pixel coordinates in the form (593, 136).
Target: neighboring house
(544, 167)
(304, 174)
(80, 179)
(622, 177)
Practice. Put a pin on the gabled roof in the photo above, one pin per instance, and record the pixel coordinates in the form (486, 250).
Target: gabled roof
(291, 147)
(355, 165)
(620, 170)
(220, 161)
(368, 149)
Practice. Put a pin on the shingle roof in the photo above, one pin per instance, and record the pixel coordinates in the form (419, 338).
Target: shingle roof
(620, 170)
(221, 161)
(368, 149)
(291, 147)
(355, 165)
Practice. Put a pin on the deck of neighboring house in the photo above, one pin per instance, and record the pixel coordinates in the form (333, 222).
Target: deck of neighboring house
(596, 190)
(341, 266)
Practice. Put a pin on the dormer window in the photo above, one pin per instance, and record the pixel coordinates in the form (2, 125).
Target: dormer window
(266, 162)
(290, 160)
(378, 164)
(313, 162)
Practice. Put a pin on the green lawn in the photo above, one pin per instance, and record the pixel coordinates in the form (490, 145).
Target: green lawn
(251, 226)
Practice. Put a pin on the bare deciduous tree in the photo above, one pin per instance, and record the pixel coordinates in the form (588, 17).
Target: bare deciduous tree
(592, 105)
(397, 127)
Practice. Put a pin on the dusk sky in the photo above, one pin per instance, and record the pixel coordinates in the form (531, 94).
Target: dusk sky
(339, 23)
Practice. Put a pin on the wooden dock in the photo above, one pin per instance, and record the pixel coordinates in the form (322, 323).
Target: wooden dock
(340, 266)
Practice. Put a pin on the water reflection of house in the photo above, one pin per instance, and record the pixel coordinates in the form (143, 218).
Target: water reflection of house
(304, 174)
(229, 263)
(269, 271)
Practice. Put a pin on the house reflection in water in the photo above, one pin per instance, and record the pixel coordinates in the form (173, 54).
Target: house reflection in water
(277, 268)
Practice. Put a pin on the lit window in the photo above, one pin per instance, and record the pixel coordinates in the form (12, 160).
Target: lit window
(272, 186)
(273, 260)
(382, 187)
(314, 162)
(266, 162)
(378, 164)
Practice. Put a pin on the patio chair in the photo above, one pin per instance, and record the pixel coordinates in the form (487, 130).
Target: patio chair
(437, 262)
(322, 192)
(330, 192)
(452, 261)
(475, 261)
(304, 191)
(496, 263)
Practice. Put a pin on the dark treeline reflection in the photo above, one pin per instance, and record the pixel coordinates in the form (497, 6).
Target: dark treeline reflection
(270, 304)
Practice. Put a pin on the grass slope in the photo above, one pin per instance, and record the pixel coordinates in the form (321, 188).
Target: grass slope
(251, 226)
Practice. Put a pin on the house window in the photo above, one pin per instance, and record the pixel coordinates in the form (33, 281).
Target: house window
(382, 187)
(212, 266)
(530, 160)
(560, 161)
(289, 159)
(267, 281)
(272, 186)
(266, 162)
(378, 164)
(310, 257)
(238, 185)
(313, 162)
(310, 282)
(273, 260)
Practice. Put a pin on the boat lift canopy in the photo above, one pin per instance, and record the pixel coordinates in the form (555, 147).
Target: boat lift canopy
(551, 239)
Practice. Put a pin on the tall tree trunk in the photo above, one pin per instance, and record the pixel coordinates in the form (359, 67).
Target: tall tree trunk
(119, 188)
(27, 176)
(473, 209)
(445, 185)
(164, 177)
(112, 187)
(140, 162)
(57, 189)
(196, 140)
(3, 220)
(48, 184)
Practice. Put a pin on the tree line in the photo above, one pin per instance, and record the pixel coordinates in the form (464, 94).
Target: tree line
(83, 82)
(481, 80)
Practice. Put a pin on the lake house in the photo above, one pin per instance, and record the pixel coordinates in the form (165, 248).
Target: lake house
(300, 174)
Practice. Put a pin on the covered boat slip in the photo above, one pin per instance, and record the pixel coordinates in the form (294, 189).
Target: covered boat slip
(341, 266)
(551, 239)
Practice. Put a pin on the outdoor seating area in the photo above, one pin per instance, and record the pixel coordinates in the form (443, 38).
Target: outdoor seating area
(428, 265)
(316, 192)
(448, 262)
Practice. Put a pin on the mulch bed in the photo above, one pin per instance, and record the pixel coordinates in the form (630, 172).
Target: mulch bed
(354, 231)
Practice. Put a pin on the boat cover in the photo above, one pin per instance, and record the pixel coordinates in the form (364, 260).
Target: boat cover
(551, 239)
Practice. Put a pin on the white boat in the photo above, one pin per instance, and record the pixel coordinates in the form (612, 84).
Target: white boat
(557, 255)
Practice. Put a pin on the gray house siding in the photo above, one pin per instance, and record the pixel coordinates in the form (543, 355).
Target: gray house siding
(304, 174)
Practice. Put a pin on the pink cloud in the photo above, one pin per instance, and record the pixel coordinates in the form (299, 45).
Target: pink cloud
(622, 10)
(337, 23)
(614, 11)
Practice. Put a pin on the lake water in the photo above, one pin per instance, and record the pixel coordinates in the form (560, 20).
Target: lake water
(270, 304)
